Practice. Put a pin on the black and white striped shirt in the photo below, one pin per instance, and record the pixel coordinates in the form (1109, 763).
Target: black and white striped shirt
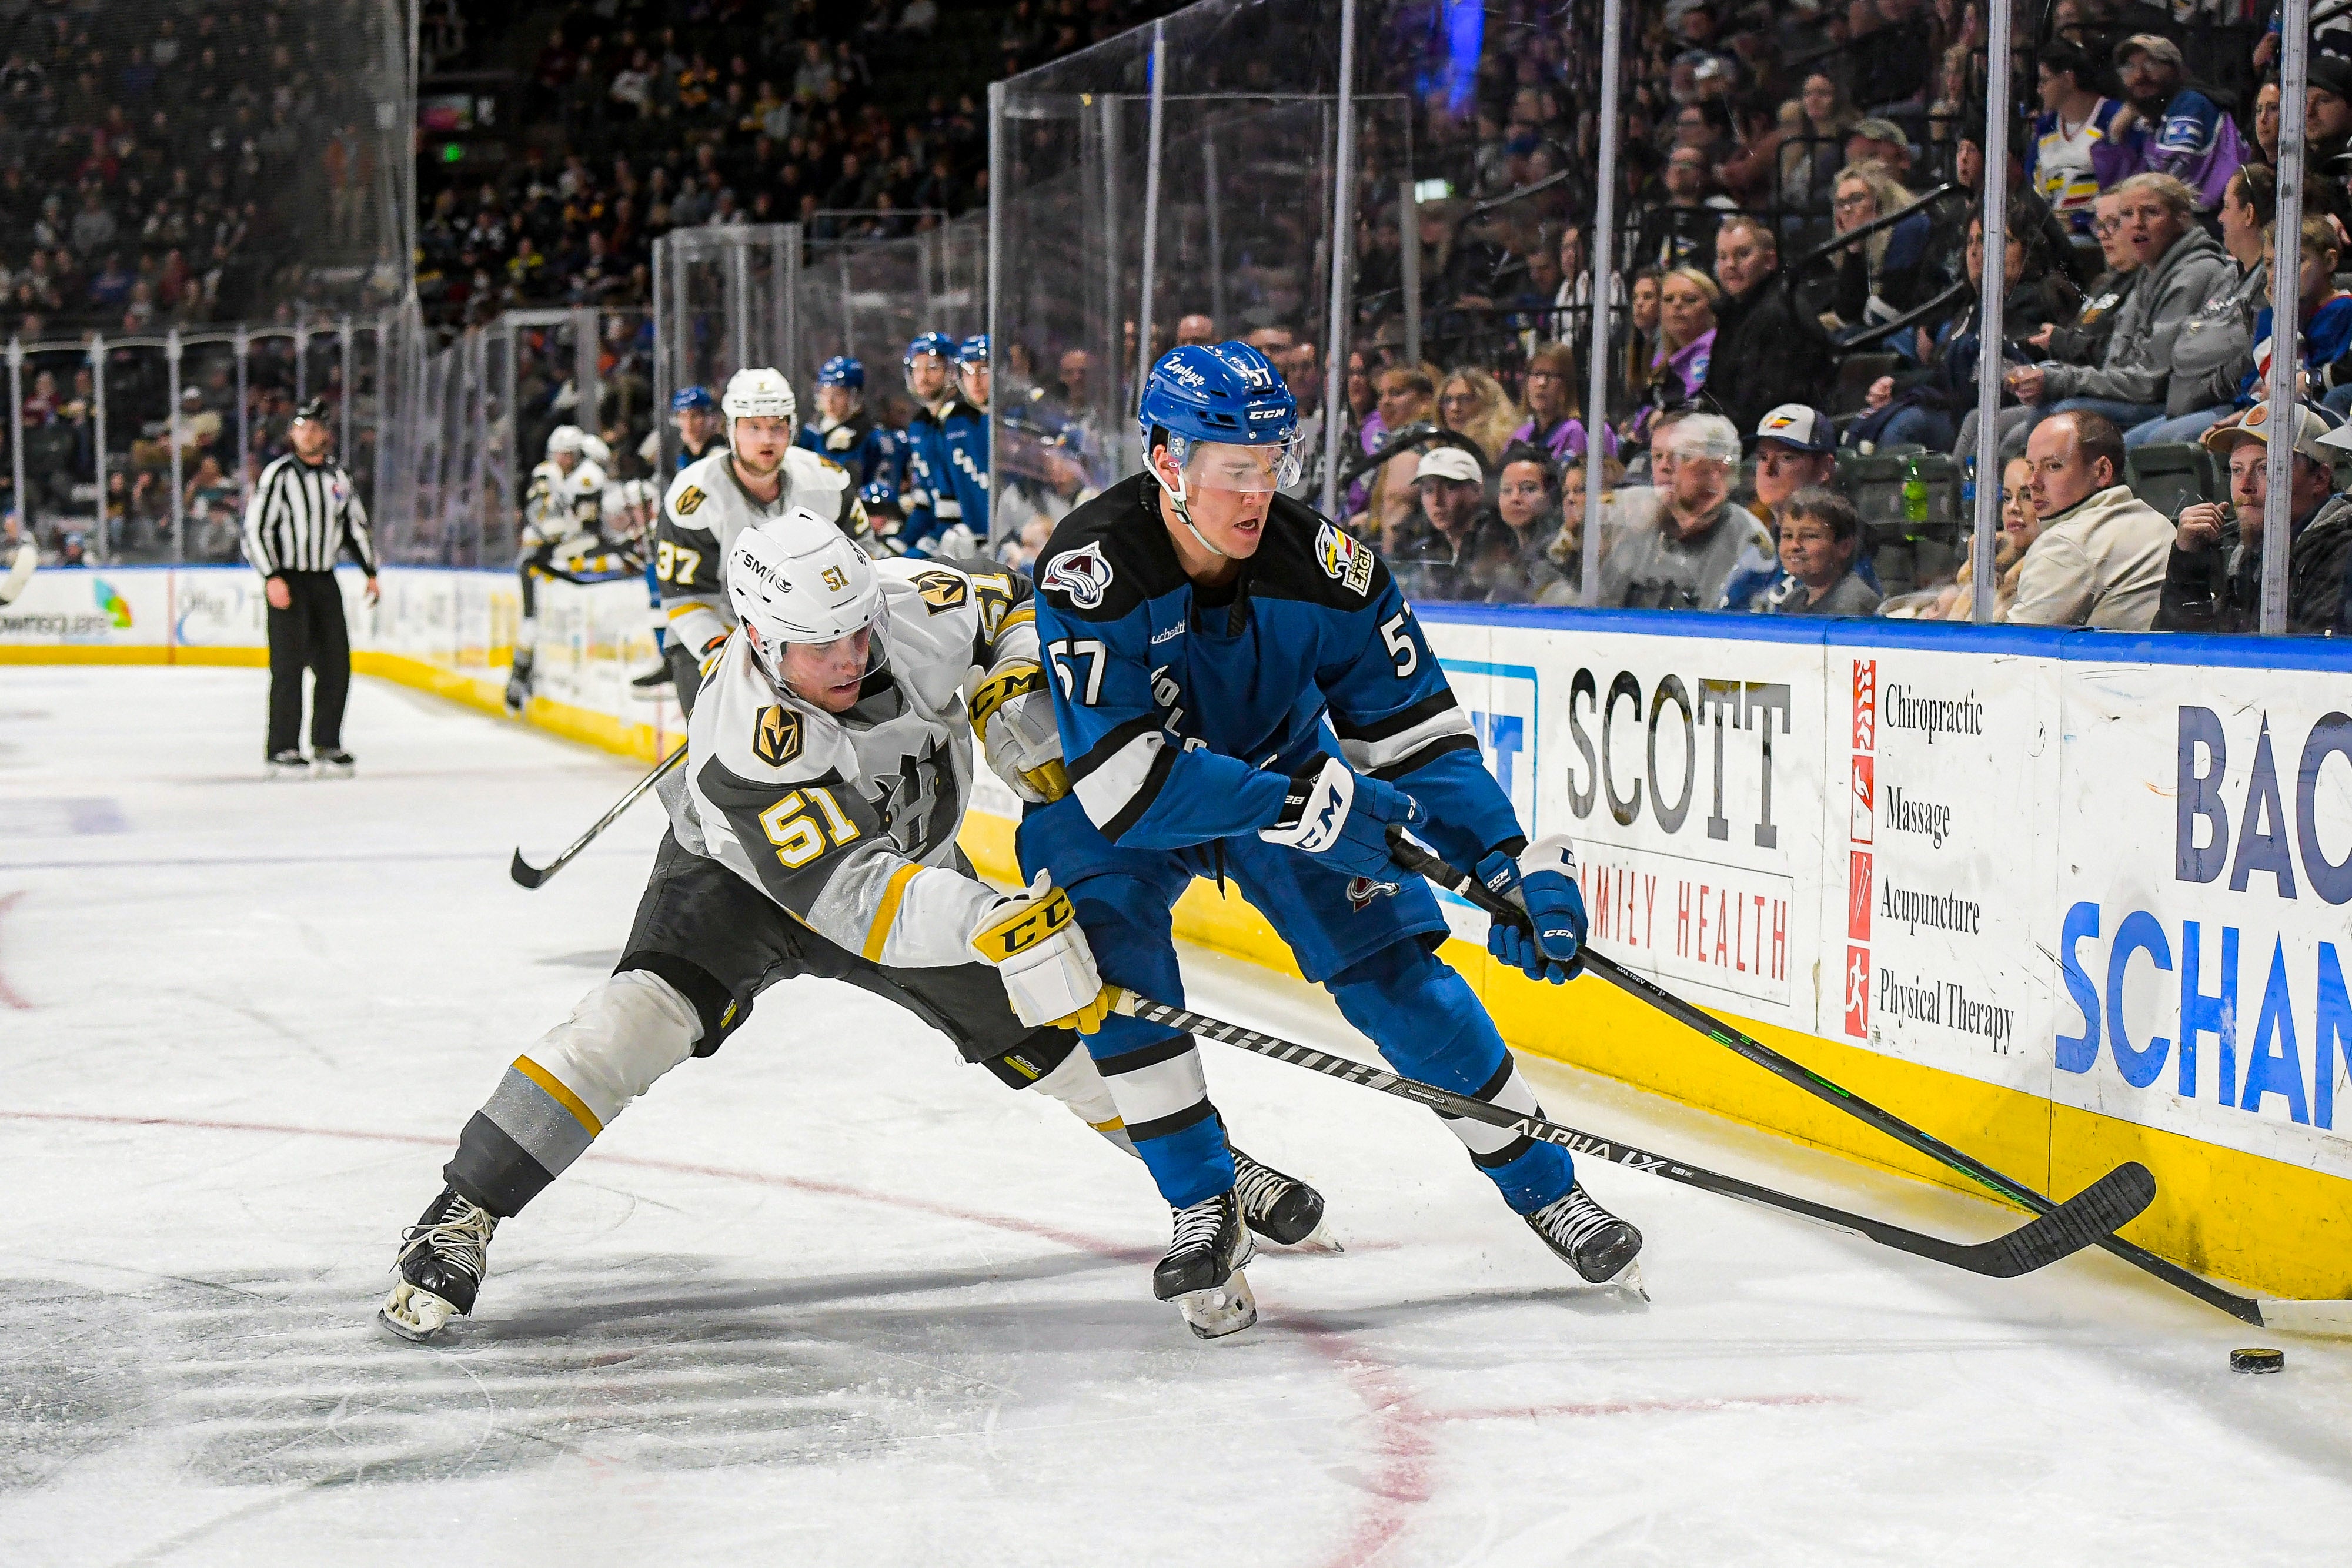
(301, 517)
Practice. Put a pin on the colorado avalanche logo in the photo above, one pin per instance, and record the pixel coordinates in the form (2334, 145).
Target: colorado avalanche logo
(1362, 890)
(1082, 574)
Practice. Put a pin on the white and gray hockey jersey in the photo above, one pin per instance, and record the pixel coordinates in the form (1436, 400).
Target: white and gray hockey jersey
(706, 507)
(561, 505)
(849, 820)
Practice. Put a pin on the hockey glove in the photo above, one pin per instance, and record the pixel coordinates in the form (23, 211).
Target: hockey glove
(1542, 882)
(1013, 713)
(1340, 818)
(1032, 938)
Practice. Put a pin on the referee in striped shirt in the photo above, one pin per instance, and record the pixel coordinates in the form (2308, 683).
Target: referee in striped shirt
(303, 513)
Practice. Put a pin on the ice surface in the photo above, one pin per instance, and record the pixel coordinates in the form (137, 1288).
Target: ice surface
(831, 1297)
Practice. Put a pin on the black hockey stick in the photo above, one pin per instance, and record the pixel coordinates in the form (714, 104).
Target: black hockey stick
(2319, 1316)
(2115, 1199)
(529, 875)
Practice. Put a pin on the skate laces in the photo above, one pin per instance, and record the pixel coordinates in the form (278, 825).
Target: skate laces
(460, 1240)
(1572, 1220)
(1197, 1226)
(1257, 1187)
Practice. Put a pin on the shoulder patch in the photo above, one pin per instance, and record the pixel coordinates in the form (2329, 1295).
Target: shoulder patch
(942, 589)
(777, 739)
(1083, 574)
(688, 500)
(1345, 560)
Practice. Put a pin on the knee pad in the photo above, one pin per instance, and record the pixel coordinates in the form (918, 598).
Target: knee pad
(623, 1036)
(1423, 1015)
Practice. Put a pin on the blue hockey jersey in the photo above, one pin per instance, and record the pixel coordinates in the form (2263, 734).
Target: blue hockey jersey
(1183, 721)
(868, 450)
(947, 475)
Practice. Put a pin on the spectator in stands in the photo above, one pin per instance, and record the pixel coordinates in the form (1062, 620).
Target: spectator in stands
(1528, 504)
(1880, 142)
(1641, 344)
(2328, 117)
(2167, 126)
(2182, 269)
(1680, 231)
(1768, 349)
(1795, 448)
(2323, 315)
(2100, 557)
(1408, 395)
(2266, 122)
(2019, 529)
(1554, 406)
(1195, 330)
(2214, 351)
(2213, 577)
(1679, 371)
(1431, 555)
(1922, 407)
(1893, 51)
(1473, 404)
(1889, 271)
(1566, 551)
(1683, 559)
(1810, 159)
(2073, 121)
(1821, 535)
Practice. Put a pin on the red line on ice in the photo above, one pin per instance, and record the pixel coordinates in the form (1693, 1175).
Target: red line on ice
(1398, 1424)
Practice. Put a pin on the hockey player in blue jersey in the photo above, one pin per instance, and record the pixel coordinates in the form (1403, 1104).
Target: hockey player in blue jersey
(952, 519)
(929, 367)
(1242, 692)
(696, 414)
(844, 432)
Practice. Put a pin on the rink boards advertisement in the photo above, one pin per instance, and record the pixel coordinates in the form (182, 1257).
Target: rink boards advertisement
(2069, 897)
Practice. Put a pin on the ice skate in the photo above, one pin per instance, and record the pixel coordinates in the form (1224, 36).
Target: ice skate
(289, 765)
(334, 764)
(442, 1259)
(1282, 1208)
(1589, 1240)
(518, 683)
(1202, 1271)
(648, 687)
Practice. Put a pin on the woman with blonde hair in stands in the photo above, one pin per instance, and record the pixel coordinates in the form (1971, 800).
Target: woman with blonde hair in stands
(1811, 157)
(1687, 298)
(1888, 271)
(1473, 404)
(1553, 406)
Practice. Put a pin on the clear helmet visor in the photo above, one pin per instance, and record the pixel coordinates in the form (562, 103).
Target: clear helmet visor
(1255, 470)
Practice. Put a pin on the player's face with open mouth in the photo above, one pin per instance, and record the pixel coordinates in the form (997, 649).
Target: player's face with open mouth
(828, 674)
(1230, 489)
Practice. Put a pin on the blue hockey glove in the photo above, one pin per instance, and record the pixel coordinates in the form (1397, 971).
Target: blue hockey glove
(1543, 881)
(1341, 818)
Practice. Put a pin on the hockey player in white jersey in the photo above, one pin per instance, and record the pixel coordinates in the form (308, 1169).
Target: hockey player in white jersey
(829, 761)
(563, 536)
(758, 475)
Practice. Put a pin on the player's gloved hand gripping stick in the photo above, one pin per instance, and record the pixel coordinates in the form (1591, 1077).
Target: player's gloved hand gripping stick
(2328, 1316)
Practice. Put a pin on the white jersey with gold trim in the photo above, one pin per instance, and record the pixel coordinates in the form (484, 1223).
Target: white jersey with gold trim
(706, 507)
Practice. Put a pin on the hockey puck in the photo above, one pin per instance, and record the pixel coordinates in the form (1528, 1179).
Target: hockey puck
(2257, 1360)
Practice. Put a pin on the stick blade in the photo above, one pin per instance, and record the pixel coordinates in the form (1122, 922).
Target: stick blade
(2319, 1317)
(2085, 1220)
(524, 872)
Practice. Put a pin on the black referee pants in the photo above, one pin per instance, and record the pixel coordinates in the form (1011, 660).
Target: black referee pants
(309, 634)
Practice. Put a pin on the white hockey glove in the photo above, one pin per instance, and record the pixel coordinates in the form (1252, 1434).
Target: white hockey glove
(1013, 713)
(1032, 938)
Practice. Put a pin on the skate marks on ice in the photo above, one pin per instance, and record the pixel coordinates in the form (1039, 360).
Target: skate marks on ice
(662, 1363)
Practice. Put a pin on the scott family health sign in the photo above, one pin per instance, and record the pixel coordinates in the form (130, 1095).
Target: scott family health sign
(2111, 871)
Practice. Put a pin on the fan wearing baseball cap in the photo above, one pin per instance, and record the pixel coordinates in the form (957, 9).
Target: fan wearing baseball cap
(1794, 447)
(2213, 580)
(1432, 562)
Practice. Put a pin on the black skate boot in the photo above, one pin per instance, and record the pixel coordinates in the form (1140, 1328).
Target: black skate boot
(442, 1259)
(519, 682)
(1282, 1208)
(1201, 1273)
(652, 681)
(334, 763)
(289, 765)
(1587, 1238)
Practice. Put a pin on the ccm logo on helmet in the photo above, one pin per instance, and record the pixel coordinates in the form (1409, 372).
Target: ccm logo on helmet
(1083, 574)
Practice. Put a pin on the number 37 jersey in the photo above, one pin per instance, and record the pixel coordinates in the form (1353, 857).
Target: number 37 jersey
(1183, 721)
(849, 820)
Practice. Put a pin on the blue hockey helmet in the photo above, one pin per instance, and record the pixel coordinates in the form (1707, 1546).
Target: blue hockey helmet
(698, 398)
(938, 343)
(1230, 395)
(840, 371)
(973, 350)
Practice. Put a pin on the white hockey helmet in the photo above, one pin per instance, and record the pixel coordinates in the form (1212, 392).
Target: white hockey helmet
(593, 448)
(613, 500)
(799, 579)
(762, 394)
(566, 438)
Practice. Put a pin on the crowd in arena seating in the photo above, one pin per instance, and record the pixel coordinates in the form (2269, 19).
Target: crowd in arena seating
(1790, 427)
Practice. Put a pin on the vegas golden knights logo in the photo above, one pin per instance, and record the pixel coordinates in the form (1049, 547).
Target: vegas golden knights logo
(942, 589)
(834, 579)
(778, 739)
(687, 499)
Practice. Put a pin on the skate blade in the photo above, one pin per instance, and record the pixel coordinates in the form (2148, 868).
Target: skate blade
(335, 770)
(1318, 1239)
(414, 1315)
(1629, 1280)
(1220, 1310)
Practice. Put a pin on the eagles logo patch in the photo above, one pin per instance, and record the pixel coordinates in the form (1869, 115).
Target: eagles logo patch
(688, 500)
(778, 738)
(1082, 574)
(1344, 559)
(942, 589)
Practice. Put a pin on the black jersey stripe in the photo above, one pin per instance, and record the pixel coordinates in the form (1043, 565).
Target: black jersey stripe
(1426, 755)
